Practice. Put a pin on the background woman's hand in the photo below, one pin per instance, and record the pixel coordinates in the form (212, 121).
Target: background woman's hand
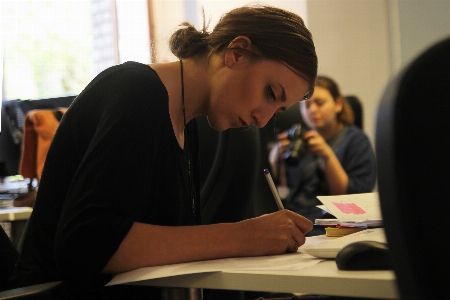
(279, 148)
(317, 144)
(273, 233)
(276, 159)
(335, 175)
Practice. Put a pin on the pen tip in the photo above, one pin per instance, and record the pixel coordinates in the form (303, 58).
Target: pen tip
(266, 171)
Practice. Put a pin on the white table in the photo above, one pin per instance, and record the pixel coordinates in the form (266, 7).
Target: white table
(17, 217)
(15, 213)
(321, 279)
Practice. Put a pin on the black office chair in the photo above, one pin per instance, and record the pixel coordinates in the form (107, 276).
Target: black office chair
(278, 123)
(8, 258)
(232, 162)
(234, 187)
(413, 153)
(13, 114)
(281, 122)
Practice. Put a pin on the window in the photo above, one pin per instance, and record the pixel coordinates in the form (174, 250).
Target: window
(47, 48)
(54, 48)
(168, 14)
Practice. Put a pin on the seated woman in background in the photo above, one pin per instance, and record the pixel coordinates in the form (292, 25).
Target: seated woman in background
(337, 157)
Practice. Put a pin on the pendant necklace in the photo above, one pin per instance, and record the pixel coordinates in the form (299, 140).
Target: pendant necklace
(187, 148)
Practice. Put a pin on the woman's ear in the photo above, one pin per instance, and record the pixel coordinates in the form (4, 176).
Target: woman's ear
(236, 50)
(339, 105)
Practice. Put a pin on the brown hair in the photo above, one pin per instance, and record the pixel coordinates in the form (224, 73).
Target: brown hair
(276, 33)
(346, 115)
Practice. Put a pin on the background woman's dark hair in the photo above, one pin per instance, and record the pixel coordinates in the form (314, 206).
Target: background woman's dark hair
(357, 109)
(346, 115)
(276, 33)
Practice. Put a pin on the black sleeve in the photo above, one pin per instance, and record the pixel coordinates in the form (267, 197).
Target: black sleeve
(109, 190)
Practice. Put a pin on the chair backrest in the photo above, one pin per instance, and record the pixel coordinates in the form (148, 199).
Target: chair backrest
(281, 122)
(8, 258)
(232, 162)
(39, 128)
(278, 123)
(13, 114)
(413, 154)
(10, 146)
(234, 186)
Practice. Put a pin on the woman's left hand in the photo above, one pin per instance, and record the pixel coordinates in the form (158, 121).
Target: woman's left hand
(317, 144)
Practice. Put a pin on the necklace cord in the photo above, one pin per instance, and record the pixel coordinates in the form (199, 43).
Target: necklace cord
(182, 94)
(187, 147)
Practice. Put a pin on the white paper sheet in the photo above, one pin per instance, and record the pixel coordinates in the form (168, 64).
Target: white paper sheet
(354, 207)
(289, 261)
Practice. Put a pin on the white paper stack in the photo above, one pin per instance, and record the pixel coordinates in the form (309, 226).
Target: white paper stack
(352, 210)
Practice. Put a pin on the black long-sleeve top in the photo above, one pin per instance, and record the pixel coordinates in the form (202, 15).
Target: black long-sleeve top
(114, 160)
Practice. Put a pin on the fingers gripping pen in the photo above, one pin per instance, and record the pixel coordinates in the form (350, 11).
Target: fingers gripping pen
(273, 189)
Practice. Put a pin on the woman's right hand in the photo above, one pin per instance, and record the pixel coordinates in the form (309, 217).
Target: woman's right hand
(273, 233)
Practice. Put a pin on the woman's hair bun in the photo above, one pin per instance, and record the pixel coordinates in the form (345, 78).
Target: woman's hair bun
(187, 41)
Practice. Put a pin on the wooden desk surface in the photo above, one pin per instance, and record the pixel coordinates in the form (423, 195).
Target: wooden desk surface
(321, 279)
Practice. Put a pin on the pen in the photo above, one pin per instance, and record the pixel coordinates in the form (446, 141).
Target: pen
(273, 189)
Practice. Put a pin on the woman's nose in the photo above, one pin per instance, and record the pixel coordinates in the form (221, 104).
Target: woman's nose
(312, 107)
(261, 118)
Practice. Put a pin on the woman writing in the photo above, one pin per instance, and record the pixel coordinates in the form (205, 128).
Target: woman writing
(338, 158)
(120, 185)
